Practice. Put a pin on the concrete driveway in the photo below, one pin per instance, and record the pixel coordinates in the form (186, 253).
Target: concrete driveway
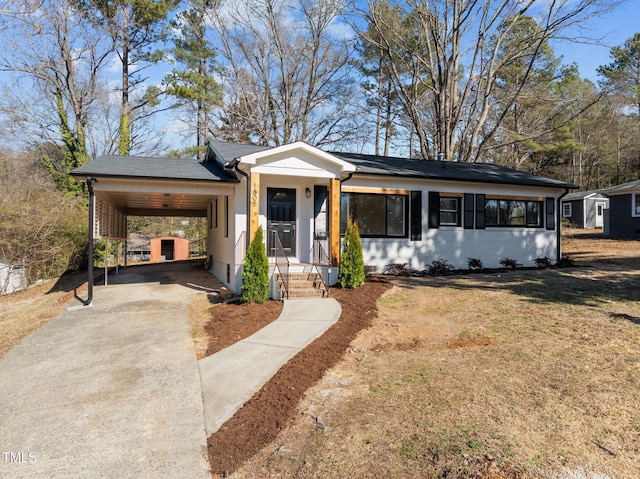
(110, 390)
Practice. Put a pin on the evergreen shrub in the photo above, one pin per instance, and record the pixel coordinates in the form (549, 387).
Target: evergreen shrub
(351, 264)
(255, 274)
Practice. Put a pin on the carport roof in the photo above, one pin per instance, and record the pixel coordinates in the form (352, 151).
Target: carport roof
(145, 167)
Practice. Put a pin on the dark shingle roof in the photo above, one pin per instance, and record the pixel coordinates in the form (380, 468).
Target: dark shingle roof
(228, 152)
(212, 169)
(150, 167)
(580, 195)
(623, 189)
(446, 170)
(392, 166)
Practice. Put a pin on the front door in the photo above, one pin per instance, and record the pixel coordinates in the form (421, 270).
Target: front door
(599, 214)
(281, 220)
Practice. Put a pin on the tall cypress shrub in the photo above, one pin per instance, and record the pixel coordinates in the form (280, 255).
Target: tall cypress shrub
(351, 264)
(255, 275)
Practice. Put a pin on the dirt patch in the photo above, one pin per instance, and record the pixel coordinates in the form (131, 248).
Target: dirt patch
(274, 407)
(467, 339)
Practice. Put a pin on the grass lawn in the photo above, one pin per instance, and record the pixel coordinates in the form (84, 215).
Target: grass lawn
(528, 374)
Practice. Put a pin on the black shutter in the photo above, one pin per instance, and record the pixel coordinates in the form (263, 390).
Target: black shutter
(416, 215)
(551, 214)
(469, 211)
(434, 209)
(480, 223)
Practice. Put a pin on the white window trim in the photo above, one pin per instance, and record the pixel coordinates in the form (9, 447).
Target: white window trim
(635, 205)
(564, 206)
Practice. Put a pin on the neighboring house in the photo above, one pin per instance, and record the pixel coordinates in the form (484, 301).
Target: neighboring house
(138, 248)
(624, 210)
(585, 209)
(408, 211)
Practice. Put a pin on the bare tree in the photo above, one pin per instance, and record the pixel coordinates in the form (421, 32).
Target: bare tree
(448, 54)
(288, 76)
(56, 60)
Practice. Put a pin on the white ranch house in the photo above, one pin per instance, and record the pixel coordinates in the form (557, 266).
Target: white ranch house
(408, 211)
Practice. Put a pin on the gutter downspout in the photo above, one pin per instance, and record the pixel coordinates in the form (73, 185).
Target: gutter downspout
(344, 180)
(559, 225)
(92, 201)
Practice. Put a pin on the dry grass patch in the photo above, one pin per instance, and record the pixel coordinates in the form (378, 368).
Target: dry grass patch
(550, 387)
(26, 311)
(198, 315)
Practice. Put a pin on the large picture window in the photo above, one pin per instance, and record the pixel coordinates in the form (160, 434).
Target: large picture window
(376, 214)
(513, 213)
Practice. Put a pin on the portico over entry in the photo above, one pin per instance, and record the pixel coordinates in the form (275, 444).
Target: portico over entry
(292, 192)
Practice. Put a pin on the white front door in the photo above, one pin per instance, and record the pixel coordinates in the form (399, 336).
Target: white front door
(599, 215)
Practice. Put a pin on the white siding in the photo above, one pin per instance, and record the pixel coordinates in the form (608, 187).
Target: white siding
(457, 244)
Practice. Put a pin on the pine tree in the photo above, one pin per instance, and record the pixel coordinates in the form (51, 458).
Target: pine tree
(351, 264)
(136, 27)
(194, 86)
(255, 275)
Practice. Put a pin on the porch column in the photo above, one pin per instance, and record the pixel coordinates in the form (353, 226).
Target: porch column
(334, 221)
(254, 206)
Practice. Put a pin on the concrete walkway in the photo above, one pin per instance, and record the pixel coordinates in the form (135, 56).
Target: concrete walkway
(232, 376)
(111, 390)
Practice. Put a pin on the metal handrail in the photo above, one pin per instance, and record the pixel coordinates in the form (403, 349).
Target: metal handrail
(321, 258)
(282, 262)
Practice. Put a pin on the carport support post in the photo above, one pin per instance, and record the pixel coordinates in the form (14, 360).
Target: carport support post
(92, 201)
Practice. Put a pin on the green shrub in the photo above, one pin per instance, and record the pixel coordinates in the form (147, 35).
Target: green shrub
(566, 262)
(352, 264)
(508, 263)
(542, 262)
(255, 274)
(475, 263)
(437, 267)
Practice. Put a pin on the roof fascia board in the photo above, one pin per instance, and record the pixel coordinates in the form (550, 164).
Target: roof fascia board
(173, 186)
(423, 179)
(98, 176)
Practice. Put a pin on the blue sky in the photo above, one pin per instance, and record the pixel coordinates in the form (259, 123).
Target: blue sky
(614, 28)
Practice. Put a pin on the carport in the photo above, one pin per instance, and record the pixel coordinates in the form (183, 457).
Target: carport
(122, 186)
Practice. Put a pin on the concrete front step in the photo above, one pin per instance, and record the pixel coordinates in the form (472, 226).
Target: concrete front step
(303, 285)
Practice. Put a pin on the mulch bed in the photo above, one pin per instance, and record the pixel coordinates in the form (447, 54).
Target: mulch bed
(273, 408)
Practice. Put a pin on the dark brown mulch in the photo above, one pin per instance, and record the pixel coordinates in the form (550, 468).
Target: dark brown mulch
(273, 408)
(230, 323)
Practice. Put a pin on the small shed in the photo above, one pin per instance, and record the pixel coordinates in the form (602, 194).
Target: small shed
(585, 209)
(169, 248)
(13, 277)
